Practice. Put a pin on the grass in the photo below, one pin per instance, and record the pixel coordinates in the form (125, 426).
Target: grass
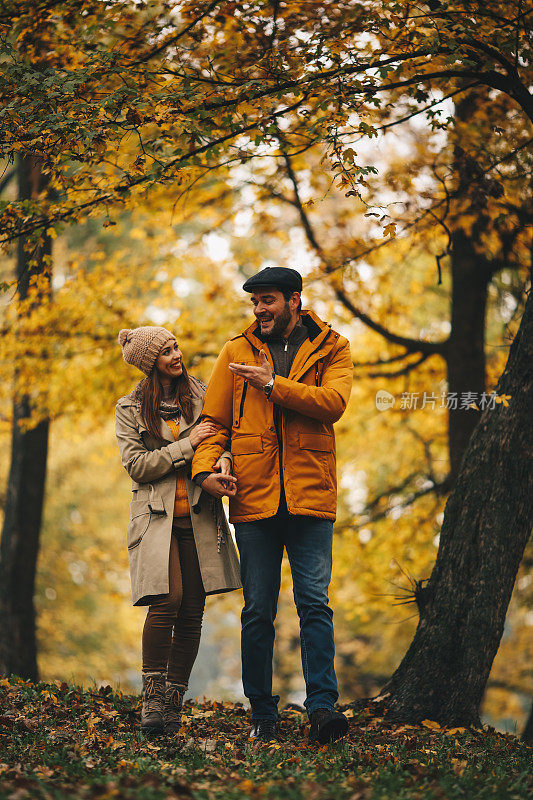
(60, 741)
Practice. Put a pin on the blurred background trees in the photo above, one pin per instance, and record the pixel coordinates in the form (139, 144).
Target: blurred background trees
(187, 146)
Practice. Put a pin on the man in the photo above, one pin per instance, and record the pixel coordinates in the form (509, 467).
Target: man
(275, 392)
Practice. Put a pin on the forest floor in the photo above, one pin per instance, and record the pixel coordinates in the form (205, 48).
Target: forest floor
(60, 741)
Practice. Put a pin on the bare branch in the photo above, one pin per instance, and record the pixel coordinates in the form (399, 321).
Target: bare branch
(405, 370)
(178, 36)
(439, 489)
(411, 345)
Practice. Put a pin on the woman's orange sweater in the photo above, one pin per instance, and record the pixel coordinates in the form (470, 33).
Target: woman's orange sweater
(181, 501)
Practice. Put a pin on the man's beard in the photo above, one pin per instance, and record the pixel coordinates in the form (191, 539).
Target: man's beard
(280, 324)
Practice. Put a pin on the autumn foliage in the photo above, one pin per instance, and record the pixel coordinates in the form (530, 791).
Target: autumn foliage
(383, 149)
(62, 739)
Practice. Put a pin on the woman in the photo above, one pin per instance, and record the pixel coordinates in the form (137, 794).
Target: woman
(176, 557)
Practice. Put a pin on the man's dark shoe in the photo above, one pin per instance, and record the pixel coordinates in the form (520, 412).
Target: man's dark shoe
(264, 730)
(327, 725)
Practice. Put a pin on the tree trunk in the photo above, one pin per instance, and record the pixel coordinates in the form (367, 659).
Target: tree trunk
(465, 355)
(19, 546)
(487, 522)
(527, 733)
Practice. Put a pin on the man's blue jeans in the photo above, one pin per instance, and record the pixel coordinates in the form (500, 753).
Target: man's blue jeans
(308, 541)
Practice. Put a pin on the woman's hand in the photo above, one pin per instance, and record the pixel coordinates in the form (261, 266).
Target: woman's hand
(201, 432)
(220, 485)
(223, 465)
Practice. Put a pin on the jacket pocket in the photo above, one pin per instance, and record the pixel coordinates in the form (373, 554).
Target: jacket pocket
(247, 445)
(321, 442)
(140, 516)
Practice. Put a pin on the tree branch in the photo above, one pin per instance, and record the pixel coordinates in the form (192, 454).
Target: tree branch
(6, 179)
(178, 36)
(439, 489)
(122, 190)
(405, 370)
(411, 345)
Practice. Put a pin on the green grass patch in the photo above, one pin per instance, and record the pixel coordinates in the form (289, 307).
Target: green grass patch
(59, 741)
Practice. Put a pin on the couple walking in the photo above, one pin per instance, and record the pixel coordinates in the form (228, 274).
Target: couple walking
(262, 434)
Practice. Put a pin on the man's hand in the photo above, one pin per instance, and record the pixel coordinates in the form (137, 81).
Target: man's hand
(256, 376)
(220, 485)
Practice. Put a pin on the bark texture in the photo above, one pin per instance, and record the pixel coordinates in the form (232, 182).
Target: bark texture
(19, 546)
(527, 733)
(487, 522)
(465, 351)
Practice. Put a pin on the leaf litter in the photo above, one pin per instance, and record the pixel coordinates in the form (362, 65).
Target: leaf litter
(62, 741)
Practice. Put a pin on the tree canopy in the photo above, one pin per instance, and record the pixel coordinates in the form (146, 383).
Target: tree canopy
(116, 98)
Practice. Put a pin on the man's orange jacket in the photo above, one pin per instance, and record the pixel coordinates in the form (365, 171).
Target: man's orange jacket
(312, 398)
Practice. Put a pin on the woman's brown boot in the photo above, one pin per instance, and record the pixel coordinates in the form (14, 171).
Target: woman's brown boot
(174, 693)
(153, 702)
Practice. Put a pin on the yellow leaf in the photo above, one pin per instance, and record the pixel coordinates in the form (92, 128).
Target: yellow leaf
(430, 723)
(503, 398)
(194, 712)
(116, 745)
(458, 766)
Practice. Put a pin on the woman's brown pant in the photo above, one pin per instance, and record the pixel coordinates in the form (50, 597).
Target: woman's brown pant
(171, 634)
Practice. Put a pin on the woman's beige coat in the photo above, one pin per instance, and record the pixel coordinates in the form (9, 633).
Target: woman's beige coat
(153, 469)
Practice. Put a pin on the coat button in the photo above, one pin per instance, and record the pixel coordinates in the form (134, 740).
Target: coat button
(196, 508)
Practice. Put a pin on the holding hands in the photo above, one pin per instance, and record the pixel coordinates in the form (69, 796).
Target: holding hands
(221, 482)
(219, 485)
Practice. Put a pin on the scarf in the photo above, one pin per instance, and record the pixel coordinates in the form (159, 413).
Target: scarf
(169, 407)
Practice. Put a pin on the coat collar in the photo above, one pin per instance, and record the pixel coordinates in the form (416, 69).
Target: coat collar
(316, 346)
(316, 329)
(166, 433)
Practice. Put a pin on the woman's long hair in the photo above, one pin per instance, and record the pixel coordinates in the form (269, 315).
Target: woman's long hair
(151, 398)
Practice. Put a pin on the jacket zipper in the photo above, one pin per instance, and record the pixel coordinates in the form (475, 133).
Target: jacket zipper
(243, 397)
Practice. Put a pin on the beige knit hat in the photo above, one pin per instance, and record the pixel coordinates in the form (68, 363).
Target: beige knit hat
(141, 346)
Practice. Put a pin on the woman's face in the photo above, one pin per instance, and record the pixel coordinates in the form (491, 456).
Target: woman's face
(169, 362)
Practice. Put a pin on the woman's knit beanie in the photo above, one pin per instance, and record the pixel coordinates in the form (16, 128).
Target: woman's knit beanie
(141, 346)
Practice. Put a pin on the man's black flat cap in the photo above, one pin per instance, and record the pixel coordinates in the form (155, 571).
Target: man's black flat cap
(280, 277)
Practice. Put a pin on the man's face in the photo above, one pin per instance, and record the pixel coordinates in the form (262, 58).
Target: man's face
(272, 311)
